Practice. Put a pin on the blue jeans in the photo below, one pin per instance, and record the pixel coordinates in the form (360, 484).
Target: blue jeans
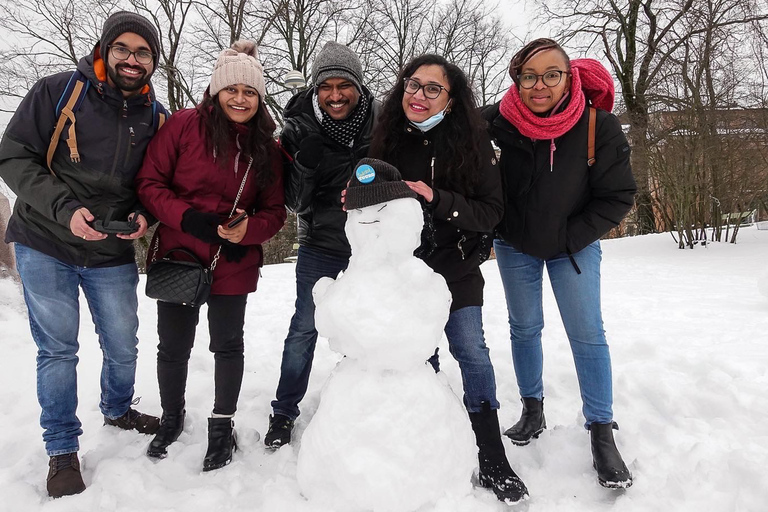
(466, 343)
(299, 349)
(51, 290)
(578, 299)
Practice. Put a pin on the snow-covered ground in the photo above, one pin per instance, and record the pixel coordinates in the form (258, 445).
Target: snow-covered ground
(689, 340)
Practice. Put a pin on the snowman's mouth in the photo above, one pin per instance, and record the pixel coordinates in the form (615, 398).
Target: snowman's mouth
(369, 222)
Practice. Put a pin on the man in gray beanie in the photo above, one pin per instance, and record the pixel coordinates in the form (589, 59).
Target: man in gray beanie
(327, 130)
(74, 222)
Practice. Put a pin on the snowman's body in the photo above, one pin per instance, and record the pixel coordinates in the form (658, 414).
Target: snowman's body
(389, 434)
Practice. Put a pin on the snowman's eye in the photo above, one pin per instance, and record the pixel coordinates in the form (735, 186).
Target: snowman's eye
(382, 207)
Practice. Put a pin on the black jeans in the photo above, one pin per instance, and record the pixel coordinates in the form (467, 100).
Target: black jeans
(176, 325)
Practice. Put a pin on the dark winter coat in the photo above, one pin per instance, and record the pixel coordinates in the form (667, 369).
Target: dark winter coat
(461, 219)
(315, 194)
(179, 173)
(563, 210)
(112, 135)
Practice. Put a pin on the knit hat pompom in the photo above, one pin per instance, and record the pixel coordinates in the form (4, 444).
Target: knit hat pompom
(374, 182)
(238, 65)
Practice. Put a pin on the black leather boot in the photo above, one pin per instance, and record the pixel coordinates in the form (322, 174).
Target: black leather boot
(222, 442)
(171, 426)
(530, 424)
(495, 472)
(606, 459)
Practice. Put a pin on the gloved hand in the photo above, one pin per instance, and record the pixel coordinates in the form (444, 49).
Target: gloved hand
(311, 151)
(234, 252)
(202, 226)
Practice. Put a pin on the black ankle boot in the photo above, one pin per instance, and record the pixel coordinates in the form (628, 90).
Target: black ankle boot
(495, 472)
(171, 426)
(530, 424)
(222, 442)
(606, 459)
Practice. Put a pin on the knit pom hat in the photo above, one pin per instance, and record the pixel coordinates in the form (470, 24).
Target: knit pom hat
(238, 65)
(124, 21)
(374, 182)
(337, 61)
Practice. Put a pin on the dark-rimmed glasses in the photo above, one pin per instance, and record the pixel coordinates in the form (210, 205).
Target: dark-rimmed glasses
(122, 53)
(550, 78)
(431, 91)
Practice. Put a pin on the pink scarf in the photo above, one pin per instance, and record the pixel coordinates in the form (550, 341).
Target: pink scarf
(589, 81)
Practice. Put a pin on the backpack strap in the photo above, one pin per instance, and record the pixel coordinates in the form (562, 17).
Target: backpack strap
(71, 99)
(159, 115)
(591, 137)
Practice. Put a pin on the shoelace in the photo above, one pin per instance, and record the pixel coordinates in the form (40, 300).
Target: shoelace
(62, 462)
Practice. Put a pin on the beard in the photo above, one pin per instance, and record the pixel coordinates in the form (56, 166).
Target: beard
(125, 83)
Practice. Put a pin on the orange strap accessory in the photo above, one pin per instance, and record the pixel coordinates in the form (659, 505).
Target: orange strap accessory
(66, 114)
(591, 137)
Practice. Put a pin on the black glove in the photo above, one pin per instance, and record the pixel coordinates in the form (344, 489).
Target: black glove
(202, 226)
(234, 252)
(311, 151)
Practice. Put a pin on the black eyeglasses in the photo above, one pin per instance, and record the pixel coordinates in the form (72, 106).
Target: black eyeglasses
(550, 78)
(122, 53)
(431, 91)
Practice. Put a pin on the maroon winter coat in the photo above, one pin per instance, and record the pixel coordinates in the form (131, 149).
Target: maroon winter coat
(178, 173)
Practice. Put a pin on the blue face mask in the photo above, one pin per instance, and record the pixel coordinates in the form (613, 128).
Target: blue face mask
(431, 122)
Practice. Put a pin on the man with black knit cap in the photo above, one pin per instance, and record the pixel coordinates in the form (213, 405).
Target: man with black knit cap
(327, 130)
(70, 189)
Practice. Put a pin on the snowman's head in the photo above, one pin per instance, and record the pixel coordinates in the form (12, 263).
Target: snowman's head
(383, 215)
(389, 228)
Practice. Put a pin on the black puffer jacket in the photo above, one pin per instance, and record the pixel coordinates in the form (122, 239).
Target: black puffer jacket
(461, 219)
(563, 210)
(315, 194)
(112, 135)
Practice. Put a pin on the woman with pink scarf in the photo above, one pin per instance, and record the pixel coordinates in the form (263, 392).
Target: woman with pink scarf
(560, 198)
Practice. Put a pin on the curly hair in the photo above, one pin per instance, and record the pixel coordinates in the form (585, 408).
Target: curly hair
(529, 50)
(459, 140)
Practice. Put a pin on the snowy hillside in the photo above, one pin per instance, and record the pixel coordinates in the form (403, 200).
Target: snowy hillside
(689, 338)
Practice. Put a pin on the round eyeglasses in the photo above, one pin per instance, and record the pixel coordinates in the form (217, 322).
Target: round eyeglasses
(431, 91)
(550, 78)
(122, 53)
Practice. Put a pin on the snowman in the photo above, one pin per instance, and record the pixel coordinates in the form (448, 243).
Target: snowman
(389, 434)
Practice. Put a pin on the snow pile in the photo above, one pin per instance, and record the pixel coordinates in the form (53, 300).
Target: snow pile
(687, 331)
(389, 434)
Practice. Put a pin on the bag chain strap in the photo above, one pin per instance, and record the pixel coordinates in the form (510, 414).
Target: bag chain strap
(234, 208)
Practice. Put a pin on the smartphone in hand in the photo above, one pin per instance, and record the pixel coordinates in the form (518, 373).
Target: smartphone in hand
(234, 221)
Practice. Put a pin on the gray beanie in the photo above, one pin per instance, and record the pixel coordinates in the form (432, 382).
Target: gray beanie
(374, 182)
(124, 21)
(337, 61)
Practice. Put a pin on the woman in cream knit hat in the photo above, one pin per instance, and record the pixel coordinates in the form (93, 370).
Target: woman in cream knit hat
(207, 166)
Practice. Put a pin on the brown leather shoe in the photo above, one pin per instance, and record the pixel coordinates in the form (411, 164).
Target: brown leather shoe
(135, 420)
(64, 478)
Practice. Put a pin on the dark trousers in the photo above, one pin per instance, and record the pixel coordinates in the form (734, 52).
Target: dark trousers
(176, 325)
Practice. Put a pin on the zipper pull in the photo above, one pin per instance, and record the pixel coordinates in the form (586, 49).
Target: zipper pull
(133, 135)
(432, 166)
(552, 149)
(125, 108)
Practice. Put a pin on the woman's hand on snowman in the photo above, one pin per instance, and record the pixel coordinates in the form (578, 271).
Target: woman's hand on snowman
(422, 189)
(344, 196)
(234, 234)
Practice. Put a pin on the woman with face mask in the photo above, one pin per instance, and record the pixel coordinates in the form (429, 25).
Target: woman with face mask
(430, 130)
(560, 197)
(212, 176)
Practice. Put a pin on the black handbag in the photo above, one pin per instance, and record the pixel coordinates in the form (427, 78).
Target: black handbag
(185, 282)
(179, 282)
